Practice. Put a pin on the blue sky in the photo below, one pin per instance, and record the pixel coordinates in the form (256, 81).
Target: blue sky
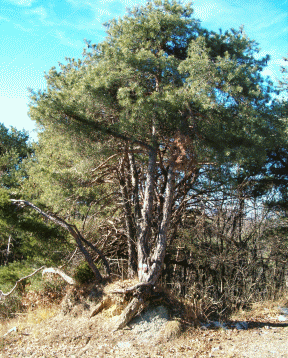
(36, 35)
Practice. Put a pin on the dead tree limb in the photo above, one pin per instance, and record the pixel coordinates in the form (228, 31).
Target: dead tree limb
(61, 273)
(72, 229)
(99, 252)
(2, 294)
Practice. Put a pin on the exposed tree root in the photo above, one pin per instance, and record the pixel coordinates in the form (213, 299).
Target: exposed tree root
(129, 312)
(105, 303)
(142, 294)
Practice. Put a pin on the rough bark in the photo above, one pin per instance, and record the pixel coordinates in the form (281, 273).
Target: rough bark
(130, 224)
(158, 255)
(135, 186)
(148, 275)
(146, 215)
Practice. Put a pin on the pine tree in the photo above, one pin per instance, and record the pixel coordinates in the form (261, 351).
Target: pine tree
(172, 98)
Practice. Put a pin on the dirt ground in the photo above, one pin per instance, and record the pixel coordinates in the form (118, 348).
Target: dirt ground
(58, 332)
(78, 335)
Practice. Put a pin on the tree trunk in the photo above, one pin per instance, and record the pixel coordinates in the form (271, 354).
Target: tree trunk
(157, 259)
(130, 225)
(148, 275)
(135, 187)
(144, 228)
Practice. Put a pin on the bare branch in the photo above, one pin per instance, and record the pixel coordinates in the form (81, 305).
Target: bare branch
(104, 129)
(59, 272)
(2, 294)
(105, 162)
(72, 229)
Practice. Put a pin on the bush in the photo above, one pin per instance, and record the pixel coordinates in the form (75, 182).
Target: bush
(14, 271)
(83, 273)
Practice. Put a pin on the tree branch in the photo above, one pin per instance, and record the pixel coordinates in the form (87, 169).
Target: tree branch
(104, 129)
(73, 231)
(2, 294)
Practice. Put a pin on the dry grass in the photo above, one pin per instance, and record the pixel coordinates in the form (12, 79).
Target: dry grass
(46, 327)
(30, 318)
(172, 330)
(259, 311)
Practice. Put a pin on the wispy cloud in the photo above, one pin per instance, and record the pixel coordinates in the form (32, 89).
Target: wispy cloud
(40, 12)
(206, 10)
(99, 15)
(67, 41)
(4, 19)
(278, 62)
(20, 27)
(275, 20)
(22, 2)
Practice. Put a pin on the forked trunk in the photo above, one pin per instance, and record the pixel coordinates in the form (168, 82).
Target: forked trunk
(158, 255)
(130, 225)
(148, 275)
(144, 229)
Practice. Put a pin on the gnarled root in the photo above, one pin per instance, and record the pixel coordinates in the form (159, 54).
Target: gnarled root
(142, 294)
(106, 303)
(129, 312)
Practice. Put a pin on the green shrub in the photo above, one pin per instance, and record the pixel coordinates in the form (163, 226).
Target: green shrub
(83, 273)
(14, 271)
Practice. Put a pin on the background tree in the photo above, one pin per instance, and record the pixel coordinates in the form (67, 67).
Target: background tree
(14, 147)
(23, 236)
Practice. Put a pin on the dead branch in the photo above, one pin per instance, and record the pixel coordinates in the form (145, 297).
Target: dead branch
(61, 273)
(100, 254)
(2, 294)
(71, 258)
(104, 163)
(73, 231)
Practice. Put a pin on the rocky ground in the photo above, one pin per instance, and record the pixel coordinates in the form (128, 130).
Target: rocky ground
(61, 332)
